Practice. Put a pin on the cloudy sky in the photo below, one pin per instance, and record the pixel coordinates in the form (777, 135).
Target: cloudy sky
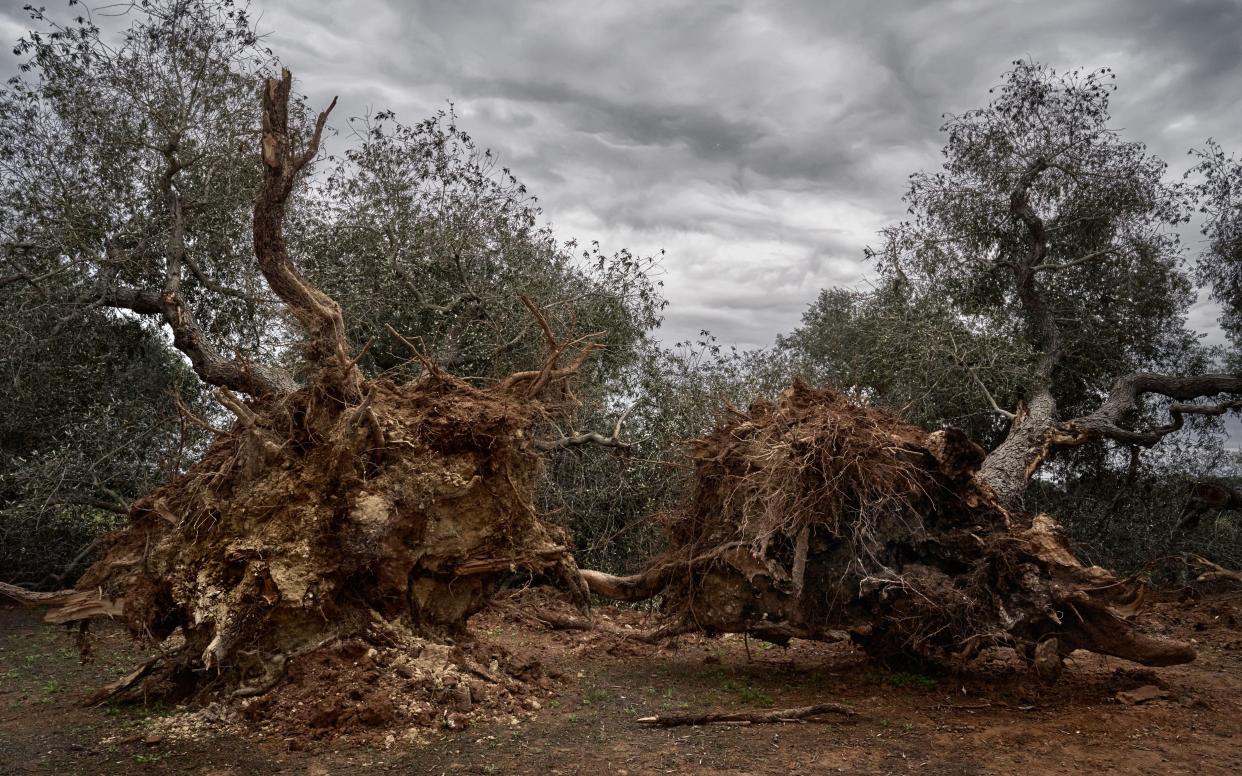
(761, 144)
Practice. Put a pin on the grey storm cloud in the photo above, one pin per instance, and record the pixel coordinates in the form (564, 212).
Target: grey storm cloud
(761, 144)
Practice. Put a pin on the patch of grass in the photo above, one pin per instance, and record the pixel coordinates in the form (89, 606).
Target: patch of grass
(594, 696)
(906, 680)
(745, 693)
(146, 759)
(755, 696)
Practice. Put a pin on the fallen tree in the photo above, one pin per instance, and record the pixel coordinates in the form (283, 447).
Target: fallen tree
(342, 516)
(816, 515)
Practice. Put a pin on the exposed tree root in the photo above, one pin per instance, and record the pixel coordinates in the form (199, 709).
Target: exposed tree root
(349, 509)
(748, 718)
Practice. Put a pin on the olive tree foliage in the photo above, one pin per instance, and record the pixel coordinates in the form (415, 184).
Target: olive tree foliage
(614, 503)
(417, 228)
(1040, 272)
(127, 174)
(911, 353)
(89, 424)
(1219, 186)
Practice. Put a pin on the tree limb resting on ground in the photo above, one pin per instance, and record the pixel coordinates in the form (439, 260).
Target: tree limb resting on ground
(748, 718)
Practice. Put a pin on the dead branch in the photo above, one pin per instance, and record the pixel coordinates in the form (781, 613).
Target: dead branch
(589, 438)
(638, 587)
(1213, 572)
(748, 718)
(69, 605)
(427, 361)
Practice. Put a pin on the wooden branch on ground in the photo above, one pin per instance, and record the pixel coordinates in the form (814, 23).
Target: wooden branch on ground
(636, 587)
(748, 718)
(1214, 572)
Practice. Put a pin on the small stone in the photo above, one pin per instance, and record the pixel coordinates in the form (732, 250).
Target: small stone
(1148, 692)
(152, 739)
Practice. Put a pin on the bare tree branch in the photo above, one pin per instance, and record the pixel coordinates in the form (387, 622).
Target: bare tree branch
(589, 438)
(1046, 267)
(1124, 396)
(188, 337)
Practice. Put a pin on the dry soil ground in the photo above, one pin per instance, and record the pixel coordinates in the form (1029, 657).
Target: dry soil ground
(600, 684)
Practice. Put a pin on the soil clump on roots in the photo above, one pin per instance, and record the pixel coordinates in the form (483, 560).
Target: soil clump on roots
(818, 517)
(318, 565)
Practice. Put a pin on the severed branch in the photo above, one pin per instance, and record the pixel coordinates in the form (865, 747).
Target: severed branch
(557, 622)
(748, 718)
(637, 587)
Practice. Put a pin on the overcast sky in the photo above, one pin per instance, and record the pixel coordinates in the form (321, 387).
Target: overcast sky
(761, 144)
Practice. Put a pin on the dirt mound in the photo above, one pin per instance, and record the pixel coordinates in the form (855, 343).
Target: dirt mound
(819, 517)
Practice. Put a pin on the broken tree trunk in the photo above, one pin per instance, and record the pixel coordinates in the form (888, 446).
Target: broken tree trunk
(814, 515)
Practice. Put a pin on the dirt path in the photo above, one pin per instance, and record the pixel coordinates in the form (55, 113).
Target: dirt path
(583, 722)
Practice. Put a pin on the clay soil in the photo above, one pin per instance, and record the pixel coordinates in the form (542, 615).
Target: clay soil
(586, 690)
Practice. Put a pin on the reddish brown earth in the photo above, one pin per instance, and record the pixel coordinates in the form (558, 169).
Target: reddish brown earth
(583, 692)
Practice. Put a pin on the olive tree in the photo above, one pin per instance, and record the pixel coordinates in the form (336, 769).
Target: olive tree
(1052, 242)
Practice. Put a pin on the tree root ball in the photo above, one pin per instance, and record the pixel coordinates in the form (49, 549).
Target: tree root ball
(313, 520)
(819, 517)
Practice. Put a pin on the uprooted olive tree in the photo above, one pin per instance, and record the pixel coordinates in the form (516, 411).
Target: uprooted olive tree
(344, 511)
(821, 518)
